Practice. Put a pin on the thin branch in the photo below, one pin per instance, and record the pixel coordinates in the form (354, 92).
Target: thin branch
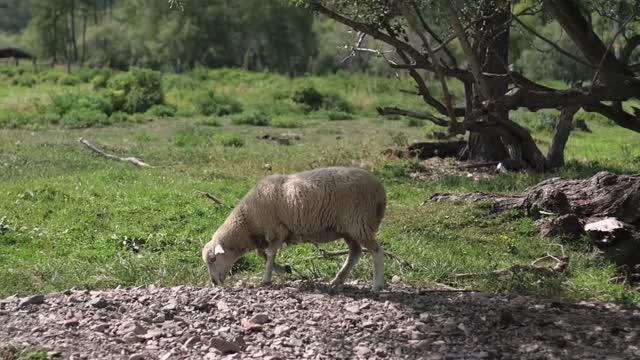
(551, 43)
(212, 198)
(434, 59)
(627, 50)
(442, 44)
(608, 49)
(414, 114)
(476, 68)
(131, 159)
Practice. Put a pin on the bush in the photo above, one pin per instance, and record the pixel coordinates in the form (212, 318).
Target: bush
(119, 117)
(310, 97)
(162, 111)
(99, 82)
(83, 118)
(26, 80)
(136, 91)
(68, 80)
(48, 118)
(285, 122)
(338, 115)
(313, 100)
(208, 121)
(255, 118)
(229, 140)
(12, 119)
(63, 103)
(211, 104)
(50, 76)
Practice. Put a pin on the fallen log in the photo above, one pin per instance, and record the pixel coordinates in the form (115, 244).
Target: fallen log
(606, 207)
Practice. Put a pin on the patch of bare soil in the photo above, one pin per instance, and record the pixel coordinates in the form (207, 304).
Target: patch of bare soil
(302, 320)
(436, 168)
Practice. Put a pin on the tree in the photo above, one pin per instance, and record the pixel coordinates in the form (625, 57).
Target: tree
(492, 87)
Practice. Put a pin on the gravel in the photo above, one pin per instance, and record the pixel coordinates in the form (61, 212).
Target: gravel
(310, 321)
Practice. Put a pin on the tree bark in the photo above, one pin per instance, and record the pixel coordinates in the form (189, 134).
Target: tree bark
(561, 131)
(85, 17)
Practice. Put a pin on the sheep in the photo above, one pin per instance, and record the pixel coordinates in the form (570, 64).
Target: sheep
(316, 206)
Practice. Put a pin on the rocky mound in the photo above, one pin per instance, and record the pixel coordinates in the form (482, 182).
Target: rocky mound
(308, 321)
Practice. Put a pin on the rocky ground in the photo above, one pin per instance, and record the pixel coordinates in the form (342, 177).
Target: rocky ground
(302, 320)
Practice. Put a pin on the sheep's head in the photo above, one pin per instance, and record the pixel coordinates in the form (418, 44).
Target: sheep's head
(219, 260)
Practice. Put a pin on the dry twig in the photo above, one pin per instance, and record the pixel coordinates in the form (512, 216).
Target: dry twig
(135, 161)
(212, 198)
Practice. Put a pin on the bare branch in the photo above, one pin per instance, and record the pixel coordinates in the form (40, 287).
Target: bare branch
(133, 160)
(628, 48)
(442, 44)
(476, 69)
(608, 49)
(550, 42)
(212, 198)
(414, 114)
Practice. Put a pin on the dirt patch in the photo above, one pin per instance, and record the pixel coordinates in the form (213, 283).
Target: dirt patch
(302, 320)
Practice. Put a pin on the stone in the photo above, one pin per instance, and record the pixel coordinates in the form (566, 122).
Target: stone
(71, 323)
(136, 357)
(99, 303)
(395, 279)
(31, 300)
(281, 330)
(260, 319)
(192, 341)
(159, 319)
(131, 338)
(223, 346)
(361, 350)
(248, 325)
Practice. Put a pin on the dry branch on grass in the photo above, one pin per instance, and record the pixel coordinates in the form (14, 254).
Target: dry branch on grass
(212, 198)
(560, 267)
(135, 161)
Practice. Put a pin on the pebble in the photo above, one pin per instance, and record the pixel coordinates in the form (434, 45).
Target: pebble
(136, 357)
(223, 346)
(260, 319)
(192, 341)
(395, 279)
(99, 303)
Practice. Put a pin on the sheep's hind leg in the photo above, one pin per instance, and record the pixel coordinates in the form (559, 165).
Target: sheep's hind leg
(270, 266)
(355, 250)
(378, 266)
(276, 267)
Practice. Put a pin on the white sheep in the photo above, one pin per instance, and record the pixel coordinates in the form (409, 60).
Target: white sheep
(317, 206)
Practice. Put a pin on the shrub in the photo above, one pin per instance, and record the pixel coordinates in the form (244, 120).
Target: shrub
(285, 122)
(26, 80)
(208, 121)
(68, 101)
(313, 100)
(229, 140)
(99, 81)
(136, 91)
(119, 117)
(218, 105)
(162, 111)
(48, 118)
(310, 97)
(68, 80)
(83, 118)
(12, 119)
(50, 76)
(255, 118)
(338, 115)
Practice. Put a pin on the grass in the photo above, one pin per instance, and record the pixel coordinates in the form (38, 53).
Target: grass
(69, 218)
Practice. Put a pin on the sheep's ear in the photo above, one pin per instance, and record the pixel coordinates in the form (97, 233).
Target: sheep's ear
(218, 250)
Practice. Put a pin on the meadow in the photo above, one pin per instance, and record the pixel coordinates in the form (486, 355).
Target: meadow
(71, 218)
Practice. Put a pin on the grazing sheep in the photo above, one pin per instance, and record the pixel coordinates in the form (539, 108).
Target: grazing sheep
(315, 206)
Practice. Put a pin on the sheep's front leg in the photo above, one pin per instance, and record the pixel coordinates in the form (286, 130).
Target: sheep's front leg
(271, 260)
(355, 250)
(276, 267)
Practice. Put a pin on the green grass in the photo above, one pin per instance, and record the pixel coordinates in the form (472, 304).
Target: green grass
(70, 218)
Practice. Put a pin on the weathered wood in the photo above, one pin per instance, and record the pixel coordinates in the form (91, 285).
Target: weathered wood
(609, 205)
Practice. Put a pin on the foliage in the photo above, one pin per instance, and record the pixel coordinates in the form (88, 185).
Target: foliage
(255, 118)
(209, 104)
(136, 91)
(84, 118)
(162, 110)
(314, 100)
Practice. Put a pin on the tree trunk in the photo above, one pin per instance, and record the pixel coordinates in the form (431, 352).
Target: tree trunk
(561, 131)
(84, 36)
(72, 20)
